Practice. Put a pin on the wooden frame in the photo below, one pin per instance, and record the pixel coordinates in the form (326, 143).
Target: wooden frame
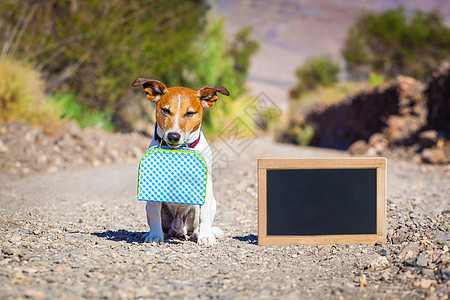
(377, 163)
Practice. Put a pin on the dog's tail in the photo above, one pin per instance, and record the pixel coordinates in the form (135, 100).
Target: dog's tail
(217, 231)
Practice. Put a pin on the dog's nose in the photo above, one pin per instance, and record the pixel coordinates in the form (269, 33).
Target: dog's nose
(173, 136)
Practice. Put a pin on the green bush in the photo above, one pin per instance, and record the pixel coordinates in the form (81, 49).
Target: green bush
(391, 43)
(95, 49)
(305, 135)
(375, 79)
(219, 62)
(315, 72)
(70, 109)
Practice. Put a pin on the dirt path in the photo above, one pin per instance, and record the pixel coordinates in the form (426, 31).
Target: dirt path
(76, 233)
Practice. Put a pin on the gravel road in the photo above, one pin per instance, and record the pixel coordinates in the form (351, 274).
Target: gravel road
(77, 234)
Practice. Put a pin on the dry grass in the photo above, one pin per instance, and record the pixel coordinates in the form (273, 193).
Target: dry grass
(22, 95)
(330, 94)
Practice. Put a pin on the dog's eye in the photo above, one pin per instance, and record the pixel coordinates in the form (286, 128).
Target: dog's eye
(166, 111)
(190, 113)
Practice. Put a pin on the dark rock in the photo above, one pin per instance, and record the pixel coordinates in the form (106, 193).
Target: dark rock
(444, 274)
(8, 251)
(438, 94)
(413, 215)
(385, 252)
(428, 139)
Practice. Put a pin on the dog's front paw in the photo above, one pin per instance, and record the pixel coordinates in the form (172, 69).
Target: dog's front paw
(152, 237)
(207, 239)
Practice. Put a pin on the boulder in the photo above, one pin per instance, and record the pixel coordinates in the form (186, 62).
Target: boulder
(358, 148)
(428, 138)
(433, 156)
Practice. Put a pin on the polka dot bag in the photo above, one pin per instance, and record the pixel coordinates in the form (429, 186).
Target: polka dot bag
(172, 175)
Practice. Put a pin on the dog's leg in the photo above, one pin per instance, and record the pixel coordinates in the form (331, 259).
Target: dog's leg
(195, 224)
(207, 213)
(155, 235)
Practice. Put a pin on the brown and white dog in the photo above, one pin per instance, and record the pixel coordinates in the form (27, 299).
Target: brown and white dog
(179, 114)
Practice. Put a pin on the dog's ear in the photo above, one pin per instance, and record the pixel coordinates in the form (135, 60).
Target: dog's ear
(153, 88)
(208, 96)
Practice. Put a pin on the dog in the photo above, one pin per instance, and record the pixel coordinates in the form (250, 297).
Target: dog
(179, 114)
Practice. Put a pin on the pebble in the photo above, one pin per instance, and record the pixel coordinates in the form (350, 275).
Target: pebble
(47, 252)
(426, 283)
(410, 250)
(422, 260)
(385, 252)
(29, 270)
(35, 294)
(49, 151)
(379, 262)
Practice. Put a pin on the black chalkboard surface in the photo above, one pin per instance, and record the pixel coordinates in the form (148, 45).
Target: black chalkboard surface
(321, 201)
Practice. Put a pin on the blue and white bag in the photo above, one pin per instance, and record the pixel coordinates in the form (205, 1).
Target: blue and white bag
(172, 175)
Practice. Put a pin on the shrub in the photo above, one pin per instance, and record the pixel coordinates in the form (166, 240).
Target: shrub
(315, 72)
(22, 94)
(375, 79)
(230, 118)
(70, 109)
(305, 135)
(391, 43)
(219, 63)
(94, 50)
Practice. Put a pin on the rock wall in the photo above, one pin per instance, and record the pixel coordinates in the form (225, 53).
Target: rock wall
(396, 109)
(438, 95)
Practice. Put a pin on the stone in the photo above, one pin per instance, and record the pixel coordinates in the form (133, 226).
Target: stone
(35, 294)
(413, 215)
(65, 141)
(426, 283)
(378, 144)
(59, 269)
(421, 260)
(8, 251)
(3, 148)
(410, 250)
(29, 270)
(362, 280)
(73, 128)
(427, 272)
(428, 138)
(385, 252)
(32, 135)
(51, 169)
(358, 148)
(433, 156)
(142, 292)
(444, 274)
(377, 138)
(379, 262)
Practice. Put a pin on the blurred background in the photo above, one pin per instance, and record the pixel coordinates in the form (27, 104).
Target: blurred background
(364, 76)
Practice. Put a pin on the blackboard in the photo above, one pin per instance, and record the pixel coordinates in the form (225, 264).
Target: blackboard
(321, 201)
